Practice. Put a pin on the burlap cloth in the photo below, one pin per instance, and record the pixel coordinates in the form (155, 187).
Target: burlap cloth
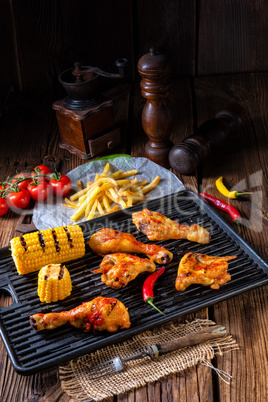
(75, 375)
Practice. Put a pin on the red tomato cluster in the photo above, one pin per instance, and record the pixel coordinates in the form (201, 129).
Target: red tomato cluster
(61, 186)
(38, 186)
(3, 206)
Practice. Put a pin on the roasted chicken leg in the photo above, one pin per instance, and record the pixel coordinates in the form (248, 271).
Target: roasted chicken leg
(98, 314)
(119, 269)
(203, 270)
(158, 227)
(108, 241)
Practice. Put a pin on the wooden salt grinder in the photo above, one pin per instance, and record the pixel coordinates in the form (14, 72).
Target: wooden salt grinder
(157, 116)
(185, 157)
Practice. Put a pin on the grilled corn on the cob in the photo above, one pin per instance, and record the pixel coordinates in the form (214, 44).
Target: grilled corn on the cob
(33, 251)
(54, 283)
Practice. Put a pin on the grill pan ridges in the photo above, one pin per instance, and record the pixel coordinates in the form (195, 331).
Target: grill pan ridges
(32, 352)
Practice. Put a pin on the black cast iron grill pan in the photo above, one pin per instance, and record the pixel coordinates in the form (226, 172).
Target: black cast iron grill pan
(31, 352)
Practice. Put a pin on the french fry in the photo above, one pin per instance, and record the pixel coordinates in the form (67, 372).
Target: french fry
(117, 174)
(113, 194)
(93, 209)
(129, 201)
(88, 208)
(79, 194)
(106, 203)
(79, 185)
(70, 203)
(92, 195)
(126, 184)
(115, 208)
(108, 193)
(68, 206)
(142, 183)
(151, 185)
(128, 173)
(106, 169)
(100, 209)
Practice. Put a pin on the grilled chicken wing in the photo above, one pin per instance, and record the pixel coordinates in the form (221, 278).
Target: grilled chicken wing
(202, 269)
(96, 315)
(119, 269)
(108, 241)
(158, 227)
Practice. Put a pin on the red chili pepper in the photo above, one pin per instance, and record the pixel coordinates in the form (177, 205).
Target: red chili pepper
(223, 206)
(147, 289)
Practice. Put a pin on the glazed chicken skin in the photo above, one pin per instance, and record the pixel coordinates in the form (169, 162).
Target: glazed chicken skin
(119, 269)
(98, 314)
(158, 227)
(202, 269)
(108, 241)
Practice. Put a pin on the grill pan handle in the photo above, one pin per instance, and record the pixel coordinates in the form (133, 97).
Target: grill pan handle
(7, 287)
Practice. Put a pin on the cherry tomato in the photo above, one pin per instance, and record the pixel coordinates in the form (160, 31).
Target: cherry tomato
(41, 169)
(39, 190)
(3, 206)
(18, 199)
(61, 185)
(22, 184)
(3, 185)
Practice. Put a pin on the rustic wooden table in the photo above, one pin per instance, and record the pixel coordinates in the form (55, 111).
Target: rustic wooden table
(29, 132)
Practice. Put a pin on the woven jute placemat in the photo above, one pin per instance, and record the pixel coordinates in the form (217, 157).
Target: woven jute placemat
(75, 375)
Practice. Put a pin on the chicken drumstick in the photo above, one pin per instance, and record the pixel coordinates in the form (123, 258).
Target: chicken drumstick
(96, 315)
(158, 227)
(107, 241)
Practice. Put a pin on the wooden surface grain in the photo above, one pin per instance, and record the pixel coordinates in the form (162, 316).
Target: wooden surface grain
(29, 132)
(40, 39)
(241, 162)
(223, 28)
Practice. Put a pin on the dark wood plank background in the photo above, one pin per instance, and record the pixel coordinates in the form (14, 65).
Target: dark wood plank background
(219, 55)
(41, 38)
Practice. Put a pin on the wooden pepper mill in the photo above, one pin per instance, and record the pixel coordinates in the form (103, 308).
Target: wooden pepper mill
(185, 157)
(157, 116)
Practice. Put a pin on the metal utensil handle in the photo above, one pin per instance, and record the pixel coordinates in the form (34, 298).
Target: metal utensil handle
(120, 63)
(205, 334)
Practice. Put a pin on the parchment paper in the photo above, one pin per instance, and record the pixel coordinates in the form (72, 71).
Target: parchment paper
(52, 214)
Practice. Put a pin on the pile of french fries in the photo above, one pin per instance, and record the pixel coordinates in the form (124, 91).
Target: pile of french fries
(108, 193)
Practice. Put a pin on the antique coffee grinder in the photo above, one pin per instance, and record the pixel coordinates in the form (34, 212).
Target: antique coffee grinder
(157, 115)
(85, 118)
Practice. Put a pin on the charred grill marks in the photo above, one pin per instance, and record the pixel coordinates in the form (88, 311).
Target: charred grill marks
(23, 243)
(68, 236)
(33, 323)
(112, 306)
(61, 273)
(166, 259)
(41, 241)
(54, 235)
(142, 226)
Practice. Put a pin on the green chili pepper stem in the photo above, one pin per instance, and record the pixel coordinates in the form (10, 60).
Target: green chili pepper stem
(150, 301)
(238, 194)
(237, 221)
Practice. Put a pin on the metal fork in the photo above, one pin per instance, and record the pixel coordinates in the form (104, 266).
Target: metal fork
(154, 351)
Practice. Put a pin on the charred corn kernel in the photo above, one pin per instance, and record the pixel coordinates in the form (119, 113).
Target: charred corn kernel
(54, 283)
(33, 251)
